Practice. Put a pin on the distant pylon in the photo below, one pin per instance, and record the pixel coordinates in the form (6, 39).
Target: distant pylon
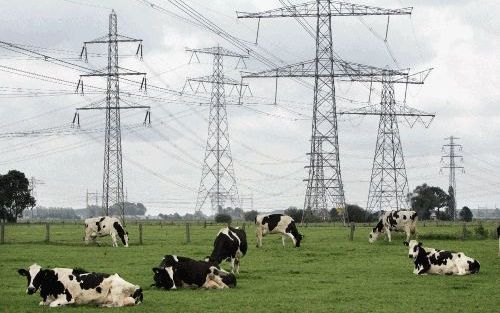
(218, 180)
(449, 163)
(112, 193)
(388, 183)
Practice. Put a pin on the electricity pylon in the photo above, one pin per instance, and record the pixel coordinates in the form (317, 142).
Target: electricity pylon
(218, 180)
(452, 148)
(325, 189)
(389, 183)
(112, 190)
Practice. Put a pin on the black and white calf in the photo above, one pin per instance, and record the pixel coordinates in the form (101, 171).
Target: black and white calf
(434, 261)
(277, 224)
(177, 272)
(61, 286)
(395, 221)
(105, 226)
(231, 245)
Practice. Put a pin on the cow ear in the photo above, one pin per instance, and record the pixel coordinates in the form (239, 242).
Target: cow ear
(419, 244)
(22, 272)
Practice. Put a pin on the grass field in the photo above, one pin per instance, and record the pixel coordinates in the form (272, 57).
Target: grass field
(327, 274)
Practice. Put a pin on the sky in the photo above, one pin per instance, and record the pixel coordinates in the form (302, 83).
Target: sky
(162, 164)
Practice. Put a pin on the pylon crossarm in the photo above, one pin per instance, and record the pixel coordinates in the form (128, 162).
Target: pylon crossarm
(212, 80)
(344, 71)
(338, 8)
(217, 50)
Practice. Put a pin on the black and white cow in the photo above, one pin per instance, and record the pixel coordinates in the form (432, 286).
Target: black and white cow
(177, 272)
(277, 224)
(231, 245)
(395, 221)
(434, 261)
(62, 286)
(103, 226)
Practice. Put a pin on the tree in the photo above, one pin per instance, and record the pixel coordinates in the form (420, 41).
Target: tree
(425, 198)
(130, 209)
(359, 215)
(465, 214)
(251, 215)
(15, 196)
(223, 218)
(294, 213)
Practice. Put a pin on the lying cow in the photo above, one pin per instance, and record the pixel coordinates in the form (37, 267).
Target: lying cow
(62, 286)
(277, 224)
(434, 261)
(230, 245)
(395, 221)
(176, 272)
(103, 226)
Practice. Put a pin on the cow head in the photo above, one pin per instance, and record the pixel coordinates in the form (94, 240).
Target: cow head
(298, 238)
(376, 231)
(34, 274)
(164, 277)
(413, 248)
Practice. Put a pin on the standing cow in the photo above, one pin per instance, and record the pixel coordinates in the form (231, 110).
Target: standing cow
(434, 261)
(103, 226)
(395, 221)
(277, 224)
(62, 286)
(177, 272)
(230, 244)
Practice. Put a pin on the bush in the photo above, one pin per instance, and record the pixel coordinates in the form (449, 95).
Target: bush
(223, 218)
(480, 231)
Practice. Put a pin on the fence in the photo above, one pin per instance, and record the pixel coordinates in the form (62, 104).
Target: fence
(159, 232)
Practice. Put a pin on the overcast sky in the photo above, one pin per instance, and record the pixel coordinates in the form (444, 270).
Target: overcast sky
(162, 164)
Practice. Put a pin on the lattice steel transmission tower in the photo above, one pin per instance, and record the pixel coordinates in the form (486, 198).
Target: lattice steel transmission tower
(449, 162)
(325, 189)
(112, 190)
(218, 180)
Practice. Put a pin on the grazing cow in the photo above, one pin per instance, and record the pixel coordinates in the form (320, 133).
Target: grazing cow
(277, 224)
(176, 272)
(230, 245)
(61, 286)
(434, 261)
(395, 221)
(103, 226)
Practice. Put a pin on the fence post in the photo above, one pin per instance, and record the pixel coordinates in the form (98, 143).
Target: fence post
(188, 233)
(47, 232)
(464, 231)
(243, 226)
(351, 234)
(140, 234)
(205, 224)
(2, 233)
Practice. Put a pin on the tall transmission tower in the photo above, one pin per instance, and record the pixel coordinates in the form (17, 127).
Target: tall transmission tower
(325, 189)
(112, 190)
(389, 183)
(218, 180)
(449, 162)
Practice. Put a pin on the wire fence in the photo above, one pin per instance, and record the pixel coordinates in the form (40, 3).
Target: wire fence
(161, 232)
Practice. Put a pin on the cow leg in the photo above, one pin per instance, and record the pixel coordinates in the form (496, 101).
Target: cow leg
(233, 265)
(388, 234)
(60, 301)
(113, 238)
(258, 233)
(237, 265)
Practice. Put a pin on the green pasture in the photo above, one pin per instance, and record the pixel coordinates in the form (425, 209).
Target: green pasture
(328, 273)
